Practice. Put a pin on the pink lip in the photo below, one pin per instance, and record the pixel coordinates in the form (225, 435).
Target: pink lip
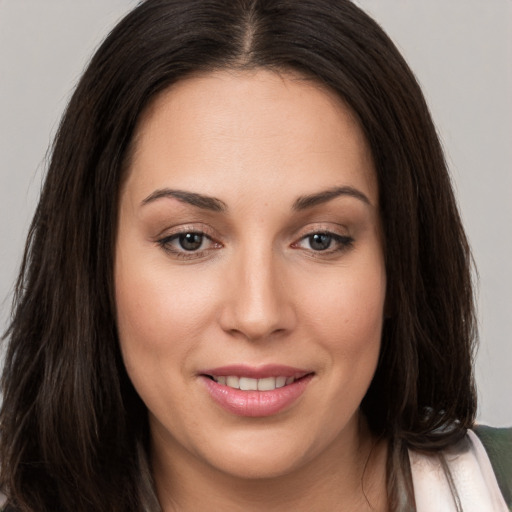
(260, 372)
(256, 403)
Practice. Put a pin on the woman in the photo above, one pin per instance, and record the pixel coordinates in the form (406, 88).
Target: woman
(246, 285)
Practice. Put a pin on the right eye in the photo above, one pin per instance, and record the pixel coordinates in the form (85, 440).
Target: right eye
(189, 241)
(188, 244)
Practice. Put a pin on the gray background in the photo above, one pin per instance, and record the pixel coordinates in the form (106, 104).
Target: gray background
(460, 50)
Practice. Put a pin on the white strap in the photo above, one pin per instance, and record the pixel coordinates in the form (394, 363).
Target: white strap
(472, 476)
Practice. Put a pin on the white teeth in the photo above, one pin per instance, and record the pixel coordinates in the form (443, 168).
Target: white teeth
(249, 384)
(280, 382)
(267, 384)
(233, 382)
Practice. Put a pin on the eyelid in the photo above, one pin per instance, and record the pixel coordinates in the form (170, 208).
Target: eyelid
(192, 227)
(322, 227)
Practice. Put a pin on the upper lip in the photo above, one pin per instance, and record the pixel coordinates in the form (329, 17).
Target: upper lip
(256, 372)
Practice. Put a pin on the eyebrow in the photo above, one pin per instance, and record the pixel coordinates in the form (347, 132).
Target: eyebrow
(217, 205)
(305, 202)
(192, 198)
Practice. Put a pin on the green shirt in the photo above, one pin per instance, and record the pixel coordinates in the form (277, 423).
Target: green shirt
(498, 445)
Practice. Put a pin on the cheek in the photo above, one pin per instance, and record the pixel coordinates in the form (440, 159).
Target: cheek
(345, 311)
(151, 305)
(160, 314)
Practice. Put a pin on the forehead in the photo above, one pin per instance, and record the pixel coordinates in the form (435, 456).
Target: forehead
(239, 125)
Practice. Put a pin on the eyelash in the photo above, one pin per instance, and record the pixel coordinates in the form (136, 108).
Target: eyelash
(343, 243)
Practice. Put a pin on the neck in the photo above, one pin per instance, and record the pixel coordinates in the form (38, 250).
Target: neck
(348, 475)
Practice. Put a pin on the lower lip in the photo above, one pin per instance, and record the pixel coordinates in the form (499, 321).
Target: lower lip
(256, 403)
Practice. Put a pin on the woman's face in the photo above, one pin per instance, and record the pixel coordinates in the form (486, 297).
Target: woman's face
(249, 255)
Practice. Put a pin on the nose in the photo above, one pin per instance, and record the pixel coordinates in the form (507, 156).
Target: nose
(257, 303)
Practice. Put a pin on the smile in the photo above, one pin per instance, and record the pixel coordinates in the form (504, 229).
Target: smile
(250, 384)
(256, 392)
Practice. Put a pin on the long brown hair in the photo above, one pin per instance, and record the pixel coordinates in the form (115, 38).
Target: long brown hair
(73, 430)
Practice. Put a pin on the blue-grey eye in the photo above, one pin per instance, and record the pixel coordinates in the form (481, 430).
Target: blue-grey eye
(190, 241)
(320, 241)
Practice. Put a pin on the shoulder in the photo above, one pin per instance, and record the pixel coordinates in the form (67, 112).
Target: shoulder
(464, 474)
(498, 446)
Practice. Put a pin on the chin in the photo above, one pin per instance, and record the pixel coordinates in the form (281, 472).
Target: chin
(269, 452)
(256, 464)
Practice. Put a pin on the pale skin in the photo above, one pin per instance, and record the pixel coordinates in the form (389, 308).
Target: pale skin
(287, 268)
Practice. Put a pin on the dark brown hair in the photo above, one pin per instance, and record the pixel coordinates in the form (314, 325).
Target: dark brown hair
(73, 430)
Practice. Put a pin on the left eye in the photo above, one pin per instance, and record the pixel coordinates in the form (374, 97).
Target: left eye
(320, 241)
(190, 241)
(324, 242)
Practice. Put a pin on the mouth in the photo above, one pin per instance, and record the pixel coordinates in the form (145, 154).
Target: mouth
(252, 384)
(256, 391)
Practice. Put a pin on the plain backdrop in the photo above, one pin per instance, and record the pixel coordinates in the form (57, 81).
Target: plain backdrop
(461, 52)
